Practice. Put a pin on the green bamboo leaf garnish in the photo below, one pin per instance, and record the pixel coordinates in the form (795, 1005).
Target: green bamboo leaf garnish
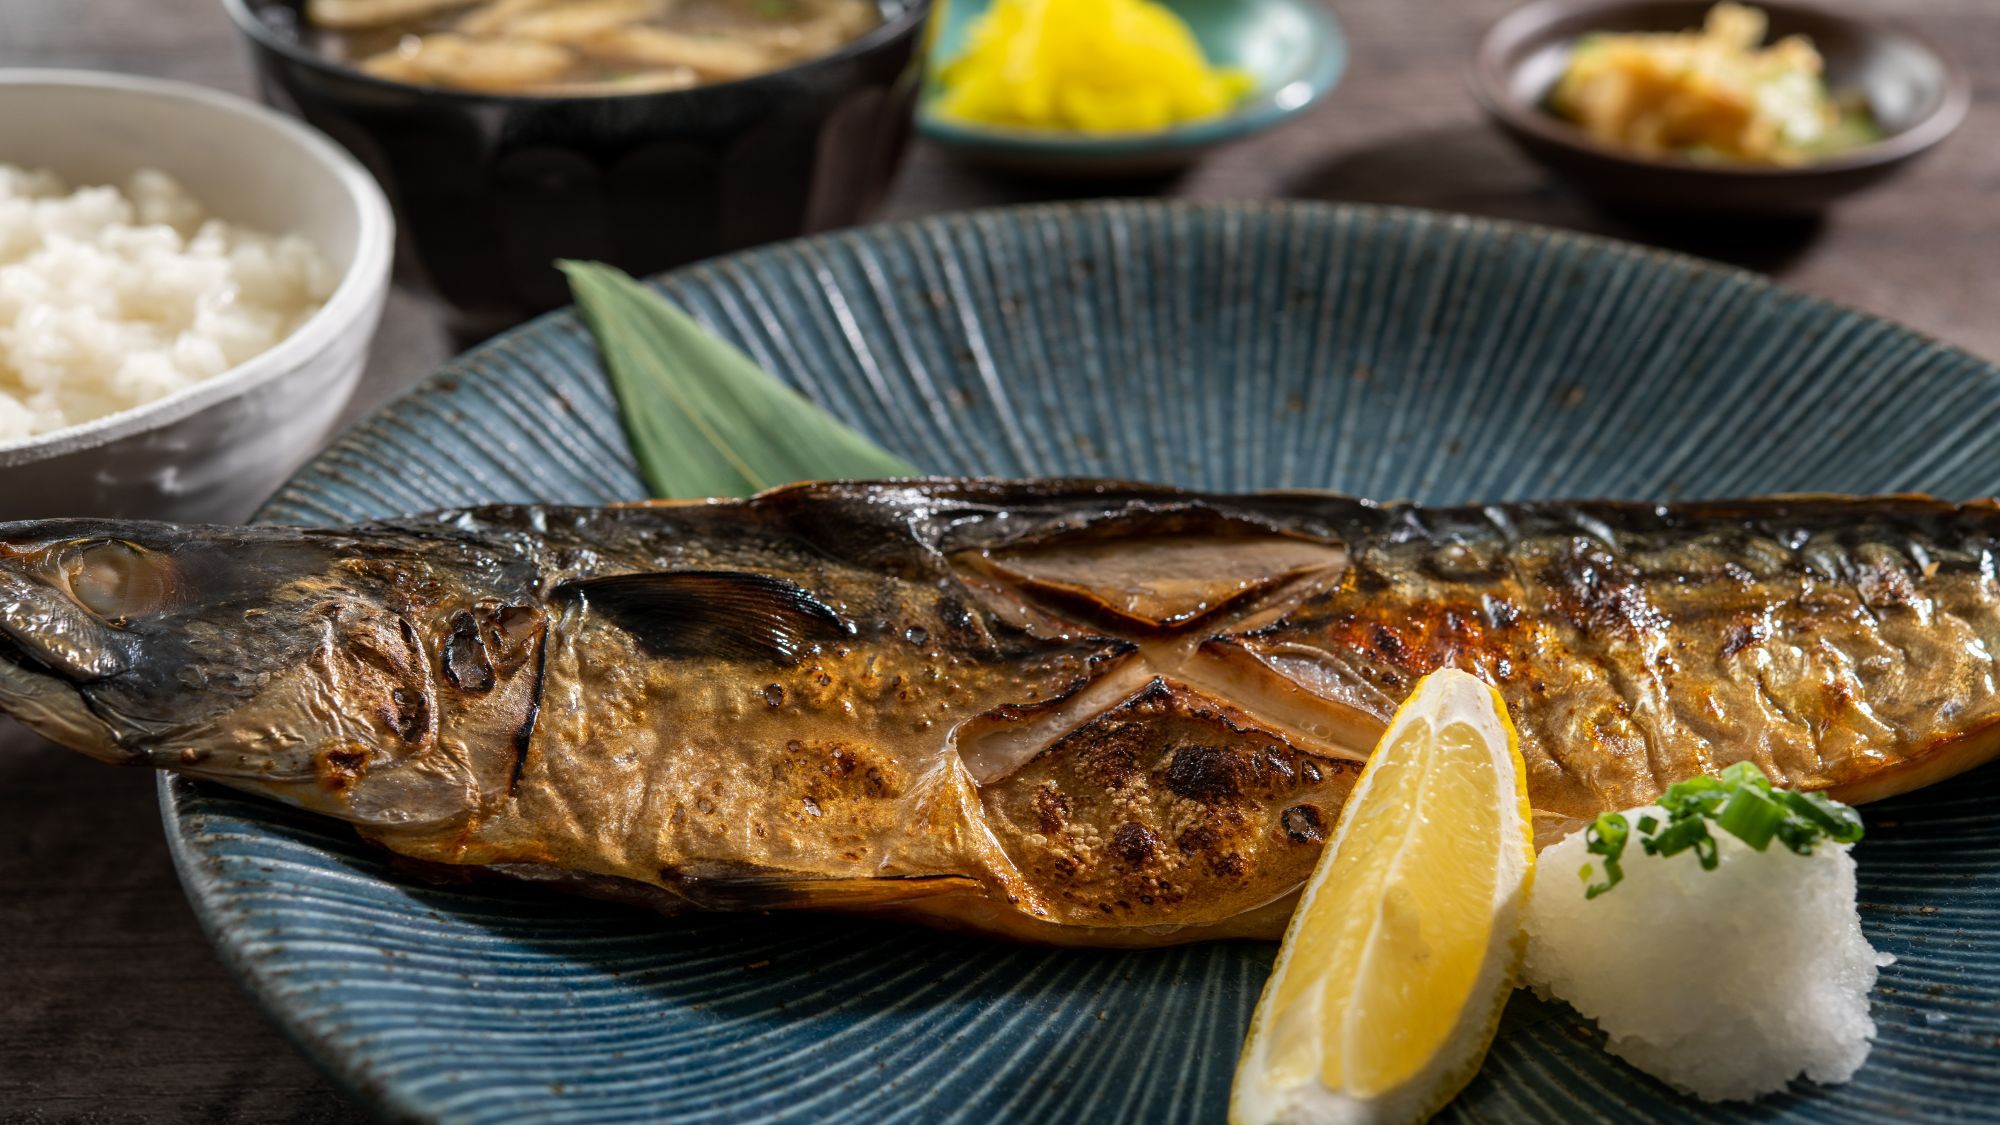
(703, 419)
(1741, 801)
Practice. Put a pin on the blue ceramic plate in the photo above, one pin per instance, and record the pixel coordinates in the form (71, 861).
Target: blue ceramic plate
(1294, 49)
(1387, 353)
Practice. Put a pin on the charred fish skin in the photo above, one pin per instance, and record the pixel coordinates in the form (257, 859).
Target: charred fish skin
(1842, 644)
(1066, 711)
(364, 674)
(831, 773)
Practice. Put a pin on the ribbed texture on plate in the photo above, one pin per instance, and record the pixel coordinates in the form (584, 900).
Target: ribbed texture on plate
(1387, 353)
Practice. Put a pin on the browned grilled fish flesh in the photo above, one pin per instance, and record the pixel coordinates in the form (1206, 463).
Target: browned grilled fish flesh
(1067, 711)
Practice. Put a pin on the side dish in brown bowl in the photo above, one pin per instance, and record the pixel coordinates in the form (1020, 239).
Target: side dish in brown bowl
(1720, 108)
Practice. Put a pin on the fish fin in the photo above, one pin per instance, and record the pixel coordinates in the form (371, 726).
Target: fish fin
(691, 614)
(808, 892)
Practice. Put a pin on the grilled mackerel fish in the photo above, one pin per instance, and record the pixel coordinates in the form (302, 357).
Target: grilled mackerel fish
(1072, 711)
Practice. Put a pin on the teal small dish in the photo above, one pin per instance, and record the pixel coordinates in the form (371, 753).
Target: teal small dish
(1295, 49)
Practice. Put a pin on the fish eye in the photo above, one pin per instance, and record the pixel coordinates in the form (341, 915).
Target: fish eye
(114, 580)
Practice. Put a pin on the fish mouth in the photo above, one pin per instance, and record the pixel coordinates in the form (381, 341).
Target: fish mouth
(14, 654)
(19, 666)
(46, 697)
(48, 625)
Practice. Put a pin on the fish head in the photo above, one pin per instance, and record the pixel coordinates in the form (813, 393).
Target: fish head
(380, 676)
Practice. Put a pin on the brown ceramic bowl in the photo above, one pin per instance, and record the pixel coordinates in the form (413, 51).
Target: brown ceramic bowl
(1917, 95)
(490, 190)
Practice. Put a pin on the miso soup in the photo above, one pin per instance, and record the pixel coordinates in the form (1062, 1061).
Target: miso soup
(581, 46)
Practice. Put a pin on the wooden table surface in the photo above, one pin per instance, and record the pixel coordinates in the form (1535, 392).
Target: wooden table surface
(113, 1008)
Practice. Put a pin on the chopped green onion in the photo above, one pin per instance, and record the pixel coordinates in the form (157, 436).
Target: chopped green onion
(1840, 822)
(1697, 796)
(1691, 792)
(1706, 851)
(1606, 837)
(1678, 837)
(1745, 773)
(1797, 834)
(1742, 802)
(1751, 816)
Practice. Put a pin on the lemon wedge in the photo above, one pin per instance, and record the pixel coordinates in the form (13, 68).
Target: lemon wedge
(1390, 982)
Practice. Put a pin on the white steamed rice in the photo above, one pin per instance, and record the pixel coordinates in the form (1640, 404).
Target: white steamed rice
(110, 299)
(1726, 983)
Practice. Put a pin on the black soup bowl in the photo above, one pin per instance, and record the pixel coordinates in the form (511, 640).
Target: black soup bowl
(490, 190)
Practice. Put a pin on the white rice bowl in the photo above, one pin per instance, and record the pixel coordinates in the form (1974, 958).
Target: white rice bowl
(113, 298)
(1726, 983)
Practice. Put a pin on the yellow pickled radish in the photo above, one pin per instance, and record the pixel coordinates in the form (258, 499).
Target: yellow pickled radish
(1390, 982)
(1094, 66)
